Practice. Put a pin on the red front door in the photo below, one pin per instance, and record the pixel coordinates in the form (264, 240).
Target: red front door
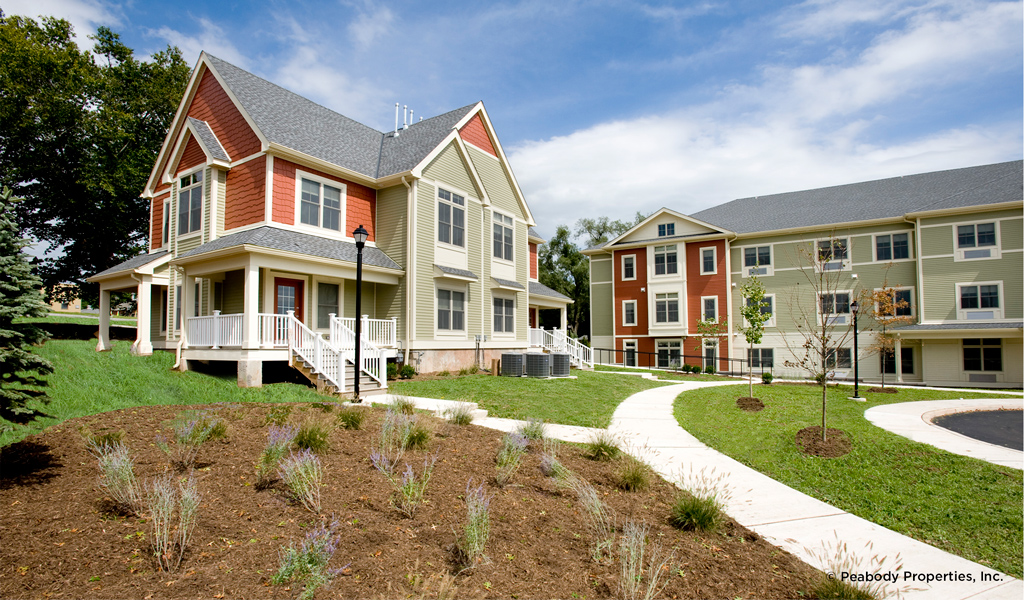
(288, 296)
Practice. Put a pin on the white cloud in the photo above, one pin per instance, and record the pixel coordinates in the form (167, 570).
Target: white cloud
(370, 25)
(210, 38)
(85, 15)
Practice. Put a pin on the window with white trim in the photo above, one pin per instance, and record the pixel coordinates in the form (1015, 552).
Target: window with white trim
(320, 202)
(629, 267)
(629, 353)
(666, 229)
(983, 354)
(629, 313)
(190, 203)
(666, 308)
(503, 231)
(761, 358)
(981, 300)
(328, 296)
(892, 247)
(836, 304)
(665, 262)
(709, 308)
(839, 358)
(165, 238)
(669, 354)
(977, 241)
(451, 310)
(767, 308)
(504, 315)
(759, 256)
(708, 261)
(888, 361)
(901, 304)
(451, 218)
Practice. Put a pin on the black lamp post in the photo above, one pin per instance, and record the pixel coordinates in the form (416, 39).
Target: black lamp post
(360, 235)
(856, 364)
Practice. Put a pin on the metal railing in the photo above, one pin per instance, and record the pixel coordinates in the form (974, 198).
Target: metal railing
(673, 361)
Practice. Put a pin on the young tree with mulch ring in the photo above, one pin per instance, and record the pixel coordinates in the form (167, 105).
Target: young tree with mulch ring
(754, 316)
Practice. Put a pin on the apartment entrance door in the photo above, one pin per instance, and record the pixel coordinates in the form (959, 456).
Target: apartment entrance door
(288, 295)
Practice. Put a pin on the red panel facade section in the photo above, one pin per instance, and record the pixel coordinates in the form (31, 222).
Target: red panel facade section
(156, 227)
(699, 284)
(630, 290)
(244, 194)
(475, 133)
(533, 261)
(646, 351)
(360, 201)
(212, 104)
(192, 156)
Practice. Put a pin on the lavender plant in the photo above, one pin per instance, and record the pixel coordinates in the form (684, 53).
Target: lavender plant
(549, 463)
(409, 489)
(473, 541)
(309, 562)
(191, 430)
(302, 473)
(532, 429)
(279, 439)
(600, 518)
(510, 457)
(117, 476)
(170, 539)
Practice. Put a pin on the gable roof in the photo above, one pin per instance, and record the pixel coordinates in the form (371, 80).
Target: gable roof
(208, 139)
(880, 199)
(130, 265)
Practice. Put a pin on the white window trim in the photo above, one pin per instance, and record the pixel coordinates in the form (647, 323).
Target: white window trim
(963, 314)
(515, 308)
(315, 289)
(636, 350)
(874, 247)
(665, 344)
(837, 318)
(635, 319)
(666, 226)
(770, 322)
(913, 309)
(457, 334)
(465, 221)
(202, 203)
(718, 315)
(846, 263)
(165, 235)
(995, 251)
(655, 323)
(320, 230)
(714, 258)
(769, 269)
(666, 275)
(622, 267)
(494, 258)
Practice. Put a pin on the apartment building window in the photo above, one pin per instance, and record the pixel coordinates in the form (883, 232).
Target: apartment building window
(327, 296)
(835, 304)
(708, 261)
(983, 354)
(666, 229)
(164, 241)
(451, 310)
(710, 307)
(628, 267)
(629, 353)
(839, 358)
(190, 203)
(767, 308)
(901, 305)
(977, 240)
(760, 256)
(320, 203)
(629, 313)
(504, 315)
(669, 354)
(503, 236)
(980, 301)
(761, 358)
(892, 247)
(665, 260)
(451, 218)
(832, 254)
(888, 359)
(666, 308)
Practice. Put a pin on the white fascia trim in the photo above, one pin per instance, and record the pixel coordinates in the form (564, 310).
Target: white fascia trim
(504, 159)
(302, 159)
(679, 215)
(964, 210)
(460, 146)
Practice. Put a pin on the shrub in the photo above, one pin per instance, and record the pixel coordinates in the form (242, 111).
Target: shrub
(351, 417)
(313, 435)
(279, 415)
(460, 414)
(409, 489)
(444, 373)
(766, 378)
(407, 371)
(632, 551)
(602, 446)
(170, 541)
(419, 435)
(687, 368)
(532, 429)
(695, 513)
(191, 430)
(404, 405)
(710, 370)
(279, 439)
(470, 370)
(308, 563)
(510, 457)
(392, 371)
(473, 540)
(303, 475)
(117, 476)
(96, 441)
(633, 475)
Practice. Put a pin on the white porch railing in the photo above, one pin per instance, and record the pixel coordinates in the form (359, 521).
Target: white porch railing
(557, 340)
(215, 330)
(373, 359)
(379, 332)
(274, 330)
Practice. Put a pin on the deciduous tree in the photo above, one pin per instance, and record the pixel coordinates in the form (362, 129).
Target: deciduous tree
(753, 314)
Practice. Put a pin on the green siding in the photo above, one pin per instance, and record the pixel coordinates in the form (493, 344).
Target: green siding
(600, 270)
(222, 185)
(941, 275)
(1010, 234)
(499, 188)
(426, 213)
(155, 312)
(522, 276)
(936, 241)
(369, 299)
(476, 300)
(233, 299)
(391, 235)
(207, 216)
(862, 248)
(189, 244)
(971, 218)
(601, 310)
(449, 168)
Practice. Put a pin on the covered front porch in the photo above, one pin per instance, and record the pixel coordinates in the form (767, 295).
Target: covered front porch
(146, 276)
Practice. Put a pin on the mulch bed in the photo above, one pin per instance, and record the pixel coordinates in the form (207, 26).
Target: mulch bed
(750, 404)
(62, 538)
(836, 444)
(881, 390)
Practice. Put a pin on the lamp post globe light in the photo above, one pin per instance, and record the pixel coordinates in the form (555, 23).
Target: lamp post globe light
(854, 307)
(360, 235)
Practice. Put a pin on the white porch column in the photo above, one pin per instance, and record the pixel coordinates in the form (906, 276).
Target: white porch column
(188, 299)
(103, 343)
(565, 318)
(899, 360)
(251, 309)
(144, 317)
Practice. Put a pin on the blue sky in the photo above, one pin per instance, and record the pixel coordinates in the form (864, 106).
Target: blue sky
(606, 108)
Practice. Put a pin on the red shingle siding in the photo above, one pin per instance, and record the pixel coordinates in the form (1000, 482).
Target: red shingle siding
(630, 290)
(191, 157)
(156, 227)
(533, 261)
(475, 133)
(213, 105)
(360, 201)
(245, 194)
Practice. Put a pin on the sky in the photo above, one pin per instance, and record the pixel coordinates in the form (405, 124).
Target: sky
(606, 108)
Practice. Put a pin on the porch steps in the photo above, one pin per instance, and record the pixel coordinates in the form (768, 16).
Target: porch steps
(367, 385)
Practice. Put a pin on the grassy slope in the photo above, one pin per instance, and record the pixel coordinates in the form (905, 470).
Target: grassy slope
(959, 504)
(589, 400)
(87, 382)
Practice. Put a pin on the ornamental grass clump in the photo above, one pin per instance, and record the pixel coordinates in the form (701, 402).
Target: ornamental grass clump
(632, 475)
(191, 430)
(404, 405)
(308, 564)
(599, 517)
(510, 457)
(460, 414)
(117, 476)
(302, 473)
(603, 447)
(532, 429)
(313, 435)
(472, 542)
(841, 560)
(279, 440)
(351, 417)
(409, 488)
(550, 466)
(700, 507)
(639, 578)
(171, 536)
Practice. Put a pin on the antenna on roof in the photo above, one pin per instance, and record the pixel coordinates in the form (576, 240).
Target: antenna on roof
(405, 116)
(411, 119)
(396, 119)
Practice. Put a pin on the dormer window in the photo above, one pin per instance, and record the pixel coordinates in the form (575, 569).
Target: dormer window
(320, 204)
(190, 203)
(666, 229)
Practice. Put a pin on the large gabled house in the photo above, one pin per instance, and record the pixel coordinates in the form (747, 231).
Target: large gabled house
(254, 198)
(949, 243)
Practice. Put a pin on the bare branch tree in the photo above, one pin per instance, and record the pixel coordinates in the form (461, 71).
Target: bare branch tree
(889, 308)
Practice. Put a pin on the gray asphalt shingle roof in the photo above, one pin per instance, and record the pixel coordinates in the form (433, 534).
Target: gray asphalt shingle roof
(288, 119)
(302, 243)
(133, 263)
(457, 272)
(509, 283)
(539, 289)
(209, 139)
(960, 326)
(880, 199)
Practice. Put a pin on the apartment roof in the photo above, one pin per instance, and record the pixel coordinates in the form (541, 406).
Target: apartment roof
(209, 139)
(539, 289)
(132, 263)
(870, 200)
(287, 118)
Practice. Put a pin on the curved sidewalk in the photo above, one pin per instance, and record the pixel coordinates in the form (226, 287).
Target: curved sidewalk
(912, 420)
(790, 519)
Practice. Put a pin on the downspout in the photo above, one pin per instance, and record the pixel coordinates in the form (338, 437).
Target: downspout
(919, 264)
(409, 267)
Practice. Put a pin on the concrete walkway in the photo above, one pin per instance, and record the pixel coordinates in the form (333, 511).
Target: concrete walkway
(912, 420)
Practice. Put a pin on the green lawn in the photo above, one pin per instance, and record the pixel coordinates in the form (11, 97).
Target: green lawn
(81, 319)
(667, 374)
(87, 382)
(589, 400)
(959, 504)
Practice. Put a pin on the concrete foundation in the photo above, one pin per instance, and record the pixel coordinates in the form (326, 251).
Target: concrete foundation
(433, 361)
(250, 373)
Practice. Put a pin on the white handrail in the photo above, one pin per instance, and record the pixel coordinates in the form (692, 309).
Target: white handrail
(557, 340)
(380, 332)
(373, 358)
(215, 330)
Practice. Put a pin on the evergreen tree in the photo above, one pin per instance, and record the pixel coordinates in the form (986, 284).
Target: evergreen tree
(20, 298)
